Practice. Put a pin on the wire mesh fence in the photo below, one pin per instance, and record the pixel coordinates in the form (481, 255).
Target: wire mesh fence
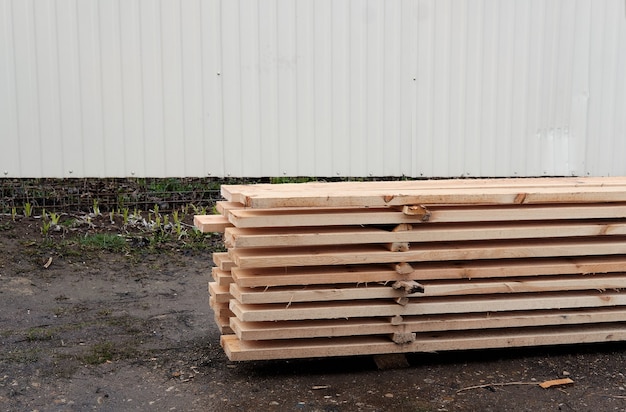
(111, 194)
(80, 195)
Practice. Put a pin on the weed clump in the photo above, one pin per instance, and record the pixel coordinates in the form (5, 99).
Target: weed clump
(103, 241)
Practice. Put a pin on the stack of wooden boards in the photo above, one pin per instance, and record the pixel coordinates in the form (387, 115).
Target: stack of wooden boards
(355, 268)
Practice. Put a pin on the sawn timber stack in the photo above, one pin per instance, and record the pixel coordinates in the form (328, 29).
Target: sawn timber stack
(355, 268)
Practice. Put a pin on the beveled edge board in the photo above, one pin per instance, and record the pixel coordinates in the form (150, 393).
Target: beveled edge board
(419, 324)
(285, 276)
(237, 350)
(425, 306)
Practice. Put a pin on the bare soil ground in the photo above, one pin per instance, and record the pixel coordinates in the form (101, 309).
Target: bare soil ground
(130, 328)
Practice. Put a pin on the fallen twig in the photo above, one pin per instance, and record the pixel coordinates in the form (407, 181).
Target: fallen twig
(487, 385)
(546, 384)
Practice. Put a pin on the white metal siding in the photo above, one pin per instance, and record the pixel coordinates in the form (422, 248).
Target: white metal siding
(109, 88)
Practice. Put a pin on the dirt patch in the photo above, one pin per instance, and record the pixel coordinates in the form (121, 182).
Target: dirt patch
(129, 328)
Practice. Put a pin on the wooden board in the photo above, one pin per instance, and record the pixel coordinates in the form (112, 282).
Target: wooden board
(424, 306)
(219, 293)
(223, 325)
(223, 207)
(372, 254)
(301, 217)
(211, 223)
(238, 193)
(327, 293)
(222, 278)
(221, 310)
(420, 324)
(223, 261)
(375, 194)
(345, 235)
(238, 350)
(262, 277)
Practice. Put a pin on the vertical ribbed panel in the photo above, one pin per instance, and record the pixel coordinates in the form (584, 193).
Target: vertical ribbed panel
(420, 88)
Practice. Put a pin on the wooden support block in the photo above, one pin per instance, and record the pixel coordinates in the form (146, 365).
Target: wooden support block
(402, 338)
(398, 246)
(404, 268)
(396, 320)
(402, 301)
(408, 286)
(421, 213)
(391, 361)
(402, 227)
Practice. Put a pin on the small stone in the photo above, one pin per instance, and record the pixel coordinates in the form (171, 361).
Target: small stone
(566, 373)
(273, 403)
(389, 395)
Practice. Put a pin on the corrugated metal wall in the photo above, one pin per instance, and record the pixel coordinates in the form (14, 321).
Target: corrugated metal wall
(312, 87)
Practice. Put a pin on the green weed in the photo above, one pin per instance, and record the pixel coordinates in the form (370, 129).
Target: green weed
(45, 227)
(125, 216)
(99, 353)
(54, 218)
(96, 208)
(104, 241)
(28, 209)
(39, 334)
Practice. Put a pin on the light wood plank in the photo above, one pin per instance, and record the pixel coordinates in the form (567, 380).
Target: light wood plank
(211, 223)
(238, 350)
(424, 306)
(460, 196)
(299, 217)
(222, 278)
(223, 261)
(262, 277)
(223, 325)
(219, 293)
(372, 254)
(522, 191)
(223, 207)
(221, 310)
(326, 293)
(318, 236)
(420, 324)
(238, 193)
